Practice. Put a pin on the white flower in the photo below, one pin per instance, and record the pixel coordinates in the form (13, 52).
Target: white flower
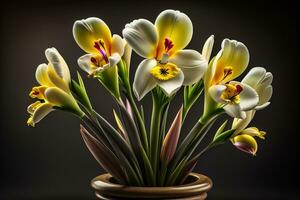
(161, 44)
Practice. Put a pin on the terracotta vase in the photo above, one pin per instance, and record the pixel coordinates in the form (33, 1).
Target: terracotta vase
(195, 188)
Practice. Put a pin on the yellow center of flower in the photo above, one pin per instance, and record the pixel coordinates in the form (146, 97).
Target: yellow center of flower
(231, 93)
(165, 72)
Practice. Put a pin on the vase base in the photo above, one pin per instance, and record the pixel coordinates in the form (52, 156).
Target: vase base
(199, 197)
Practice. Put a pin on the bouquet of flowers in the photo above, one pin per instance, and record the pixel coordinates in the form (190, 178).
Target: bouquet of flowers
(133, 153)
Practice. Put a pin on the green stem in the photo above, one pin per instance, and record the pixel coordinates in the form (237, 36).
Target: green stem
(154, 132)
(138, 115)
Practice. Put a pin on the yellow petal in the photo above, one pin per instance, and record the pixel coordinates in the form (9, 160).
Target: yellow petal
(41, 75)
(38, 92)
(253, 131)
(59, 98)
(56, 80)
(230, 62)
(87, 31)
(175, 26)
(41, 111)
(245, 143)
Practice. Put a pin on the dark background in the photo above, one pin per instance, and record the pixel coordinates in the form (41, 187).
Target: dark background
(51, 161)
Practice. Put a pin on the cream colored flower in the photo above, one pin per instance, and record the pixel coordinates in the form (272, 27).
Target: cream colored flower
(161, 44)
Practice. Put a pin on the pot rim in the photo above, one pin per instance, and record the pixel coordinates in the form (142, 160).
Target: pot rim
(102, 185)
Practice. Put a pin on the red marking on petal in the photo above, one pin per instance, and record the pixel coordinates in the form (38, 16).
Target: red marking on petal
(239, 89)
(168, 44)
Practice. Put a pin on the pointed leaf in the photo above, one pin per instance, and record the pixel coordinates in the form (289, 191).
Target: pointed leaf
(222, 137)
(103, 155)
(220, 130)
(170, 142)
(188, 168)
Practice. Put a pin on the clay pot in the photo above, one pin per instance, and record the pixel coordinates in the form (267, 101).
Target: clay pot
(195, 188)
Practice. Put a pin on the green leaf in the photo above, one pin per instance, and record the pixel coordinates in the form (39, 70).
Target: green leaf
(148, 168)
(172, 178)
(221, 128)
(222, 137)
(105, 157)
(82, 94)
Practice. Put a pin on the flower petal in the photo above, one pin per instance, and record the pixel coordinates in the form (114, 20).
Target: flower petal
(233, 54)
(114, 59)
(58, 63)
(58, 97)
(141, 35)
(265, 95)
(245, 143)
(42, 111)
(87, 31)
(117, 45)
(176, 26)
(41, 75)
(216, 91)
(208, 47)
(241, 124)
(172, 85)
(56, 80)
(248, 97)
(143, 80)
(254, 77)
(84, 62)
(267, 80)
(234, 110)
(192, 64)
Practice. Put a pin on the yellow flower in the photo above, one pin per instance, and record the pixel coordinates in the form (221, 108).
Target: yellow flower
(220, 91)
(245, 140)
(166, 64)
(94, 37)
(54, 91)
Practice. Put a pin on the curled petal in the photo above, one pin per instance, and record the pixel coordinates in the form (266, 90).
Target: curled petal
(254, 77)
(117, 45)
(87, 31)
(234, 55)
(41, 111)
(245, 143)
(41, 75)
(241, 124)
(172, 85)
(254, 132)
(216, 91)
(176, 26)
(235, 111)
(207, 48)
(192, 64)
(249, 97)
(144, 82)
(84, 62)
(58, 63)
(265, 94)
(141, 35)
